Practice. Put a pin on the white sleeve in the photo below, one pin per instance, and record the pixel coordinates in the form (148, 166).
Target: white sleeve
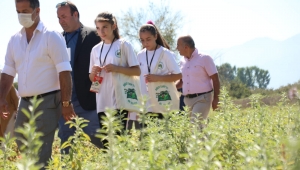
(57, 51)
(172, 66)
(131, 55)
(92, 60)
(9, 65)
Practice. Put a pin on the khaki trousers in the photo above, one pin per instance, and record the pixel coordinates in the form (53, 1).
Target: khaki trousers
(199, 105)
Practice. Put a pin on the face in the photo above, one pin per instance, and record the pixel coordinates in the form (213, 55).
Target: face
(105, 30)
(181, 47)
(24, 7)
(148, 40)
(66, 20)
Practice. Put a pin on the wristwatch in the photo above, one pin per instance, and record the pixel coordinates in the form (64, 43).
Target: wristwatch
(66, 103)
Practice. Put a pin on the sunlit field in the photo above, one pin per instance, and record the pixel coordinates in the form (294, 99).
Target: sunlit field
(257, 137)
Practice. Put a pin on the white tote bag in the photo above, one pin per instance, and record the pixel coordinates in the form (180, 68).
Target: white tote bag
(127, 88)
(163, 95)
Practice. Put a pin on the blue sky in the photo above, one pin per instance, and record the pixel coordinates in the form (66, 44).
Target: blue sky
(214, 24)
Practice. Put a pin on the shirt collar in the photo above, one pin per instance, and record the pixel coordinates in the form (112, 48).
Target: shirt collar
(39, 27)
(195, 53)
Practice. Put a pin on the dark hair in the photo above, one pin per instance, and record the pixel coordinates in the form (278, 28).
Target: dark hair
(154, 31)
(33, 3)
(72, 6)
(188, 40)
(108, 17)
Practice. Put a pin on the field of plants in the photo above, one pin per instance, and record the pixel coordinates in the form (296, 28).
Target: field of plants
(258, 137)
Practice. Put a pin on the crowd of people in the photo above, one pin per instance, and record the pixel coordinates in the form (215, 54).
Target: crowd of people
(83, 71)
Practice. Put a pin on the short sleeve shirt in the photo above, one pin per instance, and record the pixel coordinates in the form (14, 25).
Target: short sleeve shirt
(106, 96)
(167, 65)
(196, 73)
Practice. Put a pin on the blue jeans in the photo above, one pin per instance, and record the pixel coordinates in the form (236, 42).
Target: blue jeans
(91, 115)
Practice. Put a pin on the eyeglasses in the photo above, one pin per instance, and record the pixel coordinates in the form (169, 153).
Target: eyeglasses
(61, 4)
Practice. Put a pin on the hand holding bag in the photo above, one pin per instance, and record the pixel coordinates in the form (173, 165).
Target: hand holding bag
(162, 93)
(127, 88)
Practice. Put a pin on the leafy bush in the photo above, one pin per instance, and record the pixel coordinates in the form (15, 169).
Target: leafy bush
(259, 137)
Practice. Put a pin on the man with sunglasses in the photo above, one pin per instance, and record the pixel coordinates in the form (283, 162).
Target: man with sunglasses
(79, 40)
(39, 57)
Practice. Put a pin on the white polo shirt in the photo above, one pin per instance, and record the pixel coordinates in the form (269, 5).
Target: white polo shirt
(38, 62)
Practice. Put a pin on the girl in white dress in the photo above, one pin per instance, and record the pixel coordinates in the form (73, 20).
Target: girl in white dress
(153, 45)
(105, 58)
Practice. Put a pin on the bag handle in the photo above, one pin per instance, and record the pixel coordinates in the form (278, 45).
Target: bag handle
(122, 52)
(159, 59)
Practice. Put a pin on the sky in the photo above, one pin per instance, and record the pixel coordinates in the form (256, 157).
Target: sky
(214, 24)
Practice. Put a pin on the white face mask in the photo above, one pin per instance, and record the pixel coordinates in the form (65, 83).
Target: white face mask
(25, 19)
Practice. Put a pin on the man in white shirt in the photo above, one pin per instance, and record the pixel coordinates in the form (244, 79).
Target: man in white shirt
(39, 57)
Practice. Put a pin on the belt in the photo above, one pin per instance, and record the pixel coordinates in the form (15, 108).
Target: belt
(40, 95)
(196, 94)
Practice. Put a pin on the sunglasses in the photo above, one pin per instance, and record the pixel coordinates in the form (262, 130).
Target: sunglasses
(73, 8)
(61, 4)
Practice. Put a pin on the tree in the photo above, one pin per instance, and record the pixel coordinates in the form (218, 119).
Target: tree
(226, 72)
(254, 77)
(246, 76)
(238, 90)
(262, 78)
(167, 21)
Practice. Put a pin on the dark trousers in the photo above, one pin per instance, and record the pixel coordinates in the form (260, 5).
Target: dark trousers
(45, 123)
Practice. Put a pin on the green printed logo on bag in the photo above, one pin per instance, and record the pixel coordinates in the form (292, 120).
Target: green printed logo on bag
(130, 92)
(163, 94)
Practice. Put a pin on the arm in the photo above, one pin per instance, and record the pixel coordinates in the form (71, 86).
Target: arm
(179, 84)
(163, 78)
(216, 85)
(133, 68)
(129, 71)
(58, 53)
(5, 85)
(66, 92)
(14, 97)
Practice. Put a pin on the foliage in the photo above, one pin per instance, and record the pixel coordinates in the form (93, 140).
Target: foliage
(259, 137)
(164, 17)
(240, 81)
(254, 77)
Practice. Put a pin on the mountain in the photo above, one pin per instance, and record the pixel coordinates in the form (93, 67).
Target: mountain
(280, 58)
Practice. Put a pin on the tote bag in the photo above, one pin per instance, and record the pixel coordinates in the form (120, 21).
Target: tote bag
(127, 88)
(163, 94)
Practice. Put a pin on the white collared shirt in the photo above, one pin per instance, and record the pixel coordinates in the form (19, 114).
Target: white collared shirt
(38, 62)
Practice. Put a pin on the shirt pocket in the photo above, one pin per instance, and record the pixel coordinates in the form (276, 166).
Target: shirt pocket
(196, 70)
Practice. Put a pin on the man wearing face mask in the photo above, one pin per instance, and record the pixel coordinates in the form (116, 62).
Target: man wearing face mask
(39, 57)
(80, 40)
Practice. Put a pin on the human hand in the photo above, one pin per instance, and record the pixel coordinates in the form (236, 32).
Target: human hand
(68, 112)
(152, 78)
(215, 103)
(110, 68)
(4, 109)
(96, 69)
